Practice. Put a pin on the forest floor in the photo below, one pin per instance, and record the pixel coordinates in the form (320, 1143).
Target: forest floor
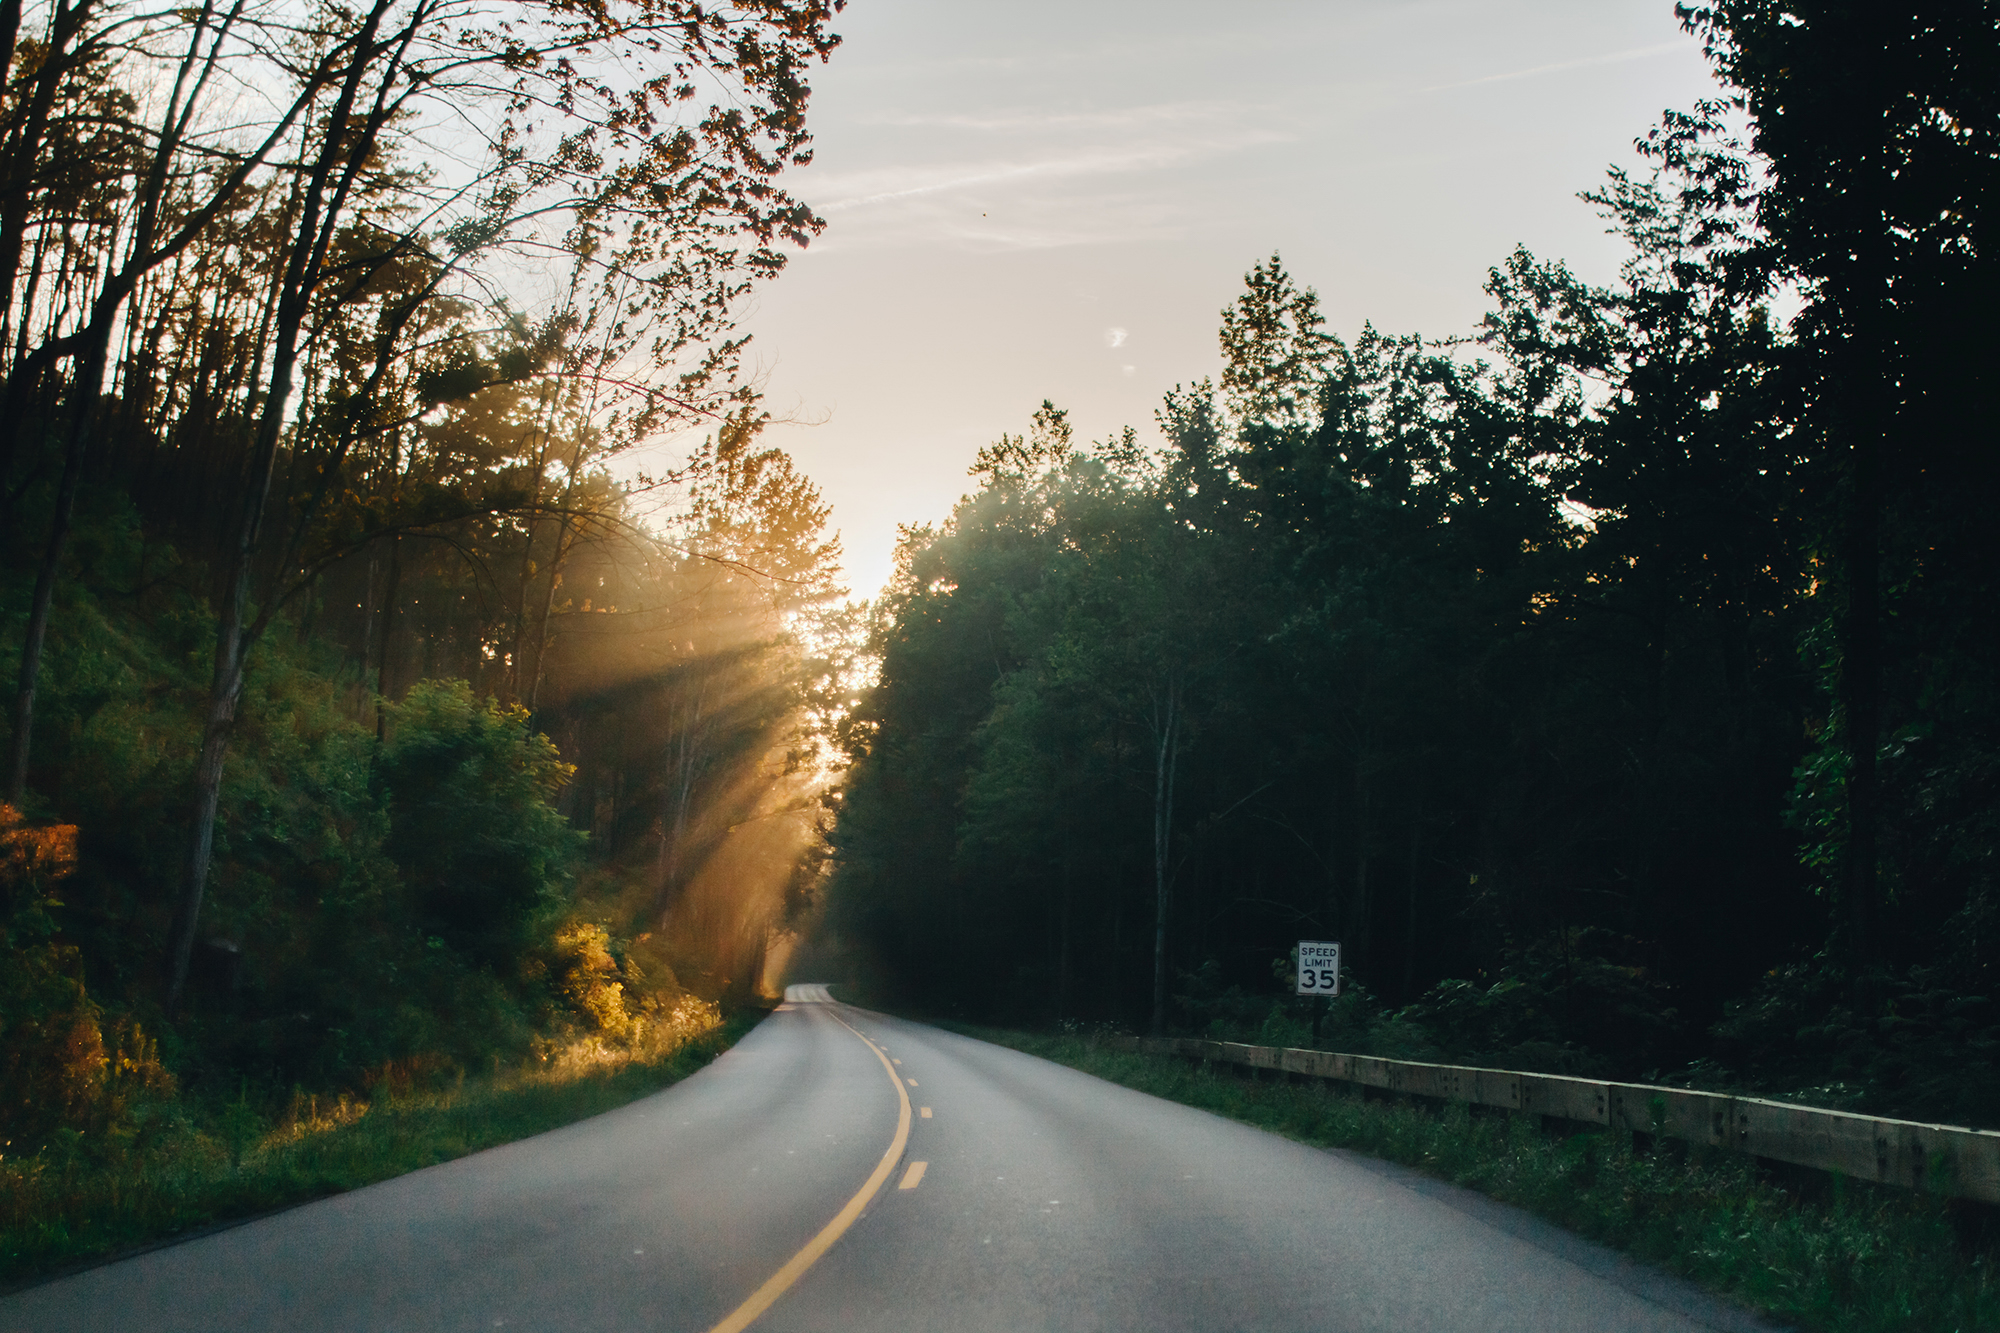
(178, 1179)
(1820, 1255)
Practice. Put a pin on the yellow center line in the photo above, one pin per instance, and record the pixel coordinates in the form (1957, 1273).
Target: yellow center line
(925, 1112)
(912, 1176)
(781, 1281)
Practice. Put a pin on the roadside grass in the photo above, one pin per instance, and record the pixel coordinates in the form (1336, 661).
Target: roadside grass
(1859, 1260)
(72, 1202)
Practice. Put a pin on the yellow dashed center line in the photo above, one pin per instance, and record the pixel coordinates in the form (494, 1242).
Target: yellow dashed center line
(780, 1282)
(912, 1082)
(913, 1175)
(925, 1112)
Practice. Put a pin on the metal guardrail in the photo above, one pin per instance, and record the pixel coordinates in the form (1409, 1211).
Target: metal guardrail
(1942, 1159)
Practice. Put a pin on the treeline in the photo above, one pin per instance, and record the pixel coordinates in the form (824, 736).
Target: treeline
(386, 717)
(1618, 684)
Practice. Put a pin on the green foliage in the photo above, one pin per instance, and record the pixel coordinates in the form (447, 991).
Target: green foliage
(370, 903)
(326, 585)
(1554, 1007)
(1554, 1011)
(1360, 671)
(1874, 133)
(470, 788)
(1619, 686)
(1355, 1021)
(1273, 348)
(1921, 1041)
(407, 900)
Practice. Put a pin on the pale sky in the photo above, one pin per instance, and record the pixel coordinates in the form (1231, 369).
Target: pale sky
(1037, 200)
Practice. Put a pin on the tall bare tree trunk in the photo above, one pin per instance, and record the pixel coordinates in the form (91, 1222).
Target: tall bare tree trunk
(232, 642)
(10, 31)
(1065, 954)
(516, 672)
(1410, 924)
(24, 135)
(388, 614)
(1861, 683)
(564, 542)
(89, 376)
(683, 765)
(1359, 906)
(234, 633)
(1166, 756)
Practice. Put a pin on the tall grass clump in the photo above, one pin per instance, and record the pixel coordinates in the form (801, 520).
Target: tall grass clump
(180, 1166)
(1861, 1259)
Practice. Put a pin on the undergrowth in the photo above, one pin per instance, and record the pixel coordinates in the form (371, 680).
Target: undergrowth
(177, 1172)
(1862, 1260)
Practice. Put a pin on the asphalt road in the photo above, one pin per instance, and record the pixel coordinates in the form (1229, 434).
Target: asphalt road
(792, 1186)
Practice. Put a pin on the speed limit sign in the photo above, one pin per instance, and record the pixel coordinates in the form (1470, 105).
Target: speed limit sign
(1319, 967)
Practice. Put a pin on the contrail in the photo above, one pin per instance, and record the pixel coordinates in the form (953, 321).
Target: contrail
(1614, 58)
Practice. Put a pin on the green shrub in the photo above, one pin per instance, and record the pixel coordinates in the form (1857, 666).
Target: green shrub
(473, 825)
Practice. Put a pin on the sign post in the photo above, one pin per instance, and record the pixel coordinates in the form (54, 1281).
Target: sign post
(1319, 974)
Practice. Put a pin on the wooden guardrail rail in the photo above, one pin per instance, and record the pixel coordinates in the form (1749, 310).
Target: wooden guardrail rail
(1944, 1159)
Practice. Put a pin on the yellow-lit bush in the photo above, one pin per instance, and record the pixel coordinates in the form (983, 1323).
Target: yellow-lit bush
(587, 975)
(62, 1066)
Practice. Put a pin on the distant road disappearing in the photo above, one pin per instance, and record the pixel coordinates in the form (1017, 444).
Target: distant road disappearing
(841, 1170)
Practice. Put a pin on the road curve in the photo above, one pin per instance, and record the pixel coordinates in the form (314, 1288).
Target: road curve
(770, 1192)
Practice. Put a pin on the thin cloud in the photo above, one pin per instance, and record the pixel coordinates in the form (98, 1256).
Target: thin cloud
(1166, 113)
(1051, 226)
(900, 184)
(1114, 337)
(1612, 58)
(1034, 220)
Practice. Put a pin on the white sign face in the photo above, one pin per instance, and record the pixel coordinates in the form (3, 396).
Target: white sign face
(1319, 967)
